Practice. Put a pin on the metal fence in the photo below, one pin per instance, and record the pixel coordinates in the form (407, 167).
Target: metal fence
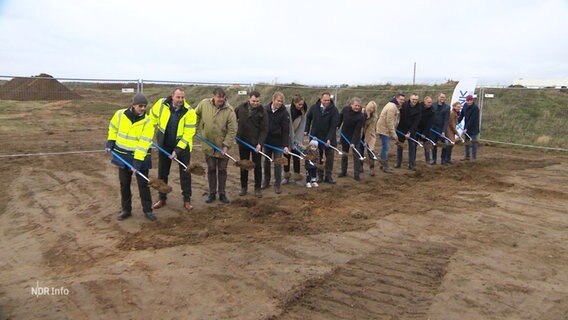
(49, 115)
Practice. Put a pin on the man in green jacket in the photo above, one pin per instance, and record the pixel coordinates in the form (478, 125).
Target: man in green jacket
(217, 122)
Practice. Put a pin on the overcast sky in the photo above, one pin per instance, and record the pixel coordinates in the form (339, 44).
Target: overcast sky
(303, 41)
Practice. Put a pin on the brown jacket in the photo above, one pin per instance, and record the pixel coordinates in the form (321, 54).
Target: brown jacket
(388, 120)
(370, 129)
(452, 131)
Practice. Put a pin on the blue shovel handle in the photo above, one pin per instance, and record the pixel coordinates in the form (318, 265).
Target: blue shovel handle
(209, 143)
(345, 137)
(274, 148)
(129, 165)
(241, 141)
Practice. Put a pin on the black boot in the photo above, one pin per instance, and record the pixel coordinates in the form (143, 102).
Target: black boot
(210, 198)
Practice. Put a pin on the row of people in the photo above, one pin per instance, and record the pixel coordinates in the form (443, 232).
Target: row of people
(278, 130)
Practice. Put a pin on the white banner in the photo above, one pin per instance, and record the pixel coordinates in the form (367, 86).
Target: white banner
(463, 89)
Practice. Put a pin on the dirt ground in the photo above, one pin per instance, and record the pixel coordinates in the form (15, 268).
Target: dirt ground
(476, 240)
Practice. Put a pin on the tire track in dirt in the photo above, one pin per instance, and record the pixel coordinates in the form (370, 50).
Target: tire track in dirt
(395, 281)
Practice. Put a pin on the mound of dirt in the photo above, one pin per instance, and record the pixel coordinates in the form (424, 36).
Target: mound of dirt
(41, 87)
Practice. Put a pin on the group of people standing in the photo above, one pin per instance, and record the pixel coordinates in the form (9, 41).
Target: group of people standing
(274, 132)
(436, 125)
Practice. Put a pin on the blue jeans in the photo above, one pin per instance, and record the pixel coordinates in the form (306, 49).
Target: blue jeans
(385, 141)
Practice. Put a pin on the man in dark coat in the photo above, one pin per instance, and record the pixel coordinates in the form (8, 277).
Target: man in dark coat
(322, 120)
(409, 119)
(426, 121)
(470, 115)
(351, 122)
(440, 124)
(278, 136)
(252, 121)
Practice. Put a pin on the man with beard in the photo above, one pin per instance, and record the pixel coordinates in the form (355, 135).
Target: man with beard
(386, 127)
(252, 122)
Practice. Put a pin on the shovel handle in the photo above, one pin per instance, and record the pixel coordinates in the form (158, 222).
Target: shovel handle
(411, 139)
(209, 143)
(241, 141)
(425, 137)
(327, 145)
(369, 149)
(351, 145)
(129, 166)
(440, 135)
(300, 151)
(164, 151)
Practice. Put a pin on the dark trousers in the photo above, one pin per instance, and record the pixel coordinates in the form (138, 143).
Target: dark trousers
(216, 173)
(268, 165)
(246, 153)
(311, 174)
(329, 154)
(474, 146)
(345, 160)
(125, 178)
(411, 154)
(362, 150)
(295, 162)
(164, 166)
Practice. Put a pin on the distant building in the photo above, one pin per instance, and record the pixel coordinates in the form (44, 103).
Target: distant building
(542, 83)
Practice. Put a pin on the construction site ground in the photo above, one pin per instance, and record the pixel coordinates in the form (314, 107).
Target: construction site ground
(481, 239)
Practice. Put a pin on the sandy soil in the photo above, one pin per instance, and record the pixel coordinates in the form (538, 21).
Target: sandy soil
(477, 240)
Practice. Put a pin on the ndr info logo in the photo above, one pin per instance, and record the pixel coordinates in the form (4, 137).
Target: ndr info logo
(49, 291)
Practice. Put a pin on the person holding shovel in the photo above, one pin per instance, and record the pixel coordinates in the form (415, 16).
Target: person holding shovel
(369, 137)
(217, 122)
(440, 124)
(175, 120)
(278, 136)
(130, 134)
(410, 114)
(424, 134)
(252, 121)
(321, 122)
(386, 127)
(351, 122)
(470, 115)
(452, 131)
(297, 110)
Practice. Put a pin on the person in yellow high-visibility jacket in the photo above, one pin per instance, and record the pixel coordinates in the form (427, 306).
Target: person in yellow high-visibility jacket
(130, 134)
(175, 120)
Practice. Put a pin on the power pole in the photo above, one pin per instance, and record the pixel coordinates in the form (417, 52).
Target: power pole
(414, 75)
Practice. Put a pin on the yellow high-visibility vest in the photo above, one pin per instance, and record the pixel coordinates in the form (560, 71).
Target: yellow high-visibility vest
(160, 114)
(134, 137)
